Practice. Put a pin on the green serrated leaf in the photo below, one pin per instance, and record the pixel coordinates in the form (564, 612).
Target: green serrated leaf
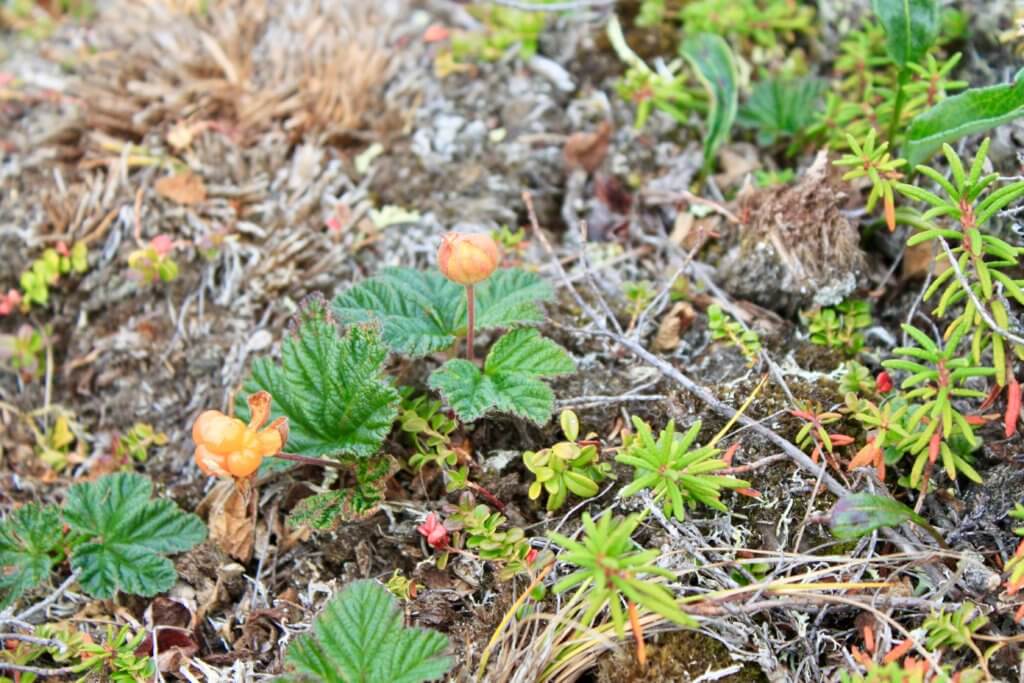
(30, 544)
(360, 638)
(911, 27)
(330, 387)
(421, 312)
(510, 381)
(128, 534)
(712, 60)
(972, 111)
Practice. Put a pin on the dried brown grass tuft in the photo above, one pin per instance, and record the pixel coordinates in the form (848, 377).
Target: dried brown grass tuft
(305, 66)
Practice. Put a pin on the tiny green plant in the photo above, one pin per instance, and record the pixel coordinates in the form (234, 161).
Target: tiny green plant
(857, 379)
(113, 659)
(24, 351)
(154, 261)
(679, 475)
(839, 327)
(611, 570)
(116, 538)
(45, 272)
(723, 327)
(136, 442)
(813, 434)
(429, 431)
(570, 466)
(360, 636)
(503, 28)
(937, 377)
(488, 535)
(781, 109)
(982, 276)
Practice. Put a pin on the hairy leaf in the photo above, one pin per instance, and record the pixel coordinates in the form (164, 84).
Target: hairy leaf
(973, 111)
(126, 535)
(711, 58)
(421, 312)
(911, 27)
(30, 544)
(360, 638)
(859, 514)
(510, 381)
(330, 387)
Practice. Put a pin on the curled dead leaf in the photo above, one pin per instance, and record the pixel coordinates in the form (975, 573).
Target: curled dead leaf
(587, 150)
(232, 519)
(673, 325)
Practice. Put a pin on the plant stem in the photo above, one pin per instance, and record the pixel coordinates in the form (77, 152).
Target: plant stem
(491, 498)
(898, 107)
(470, 321)
(305, 460)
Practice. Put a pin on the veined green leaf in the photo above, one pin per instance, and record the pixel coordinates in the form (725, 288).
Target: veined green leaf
(510, 381)
(128, 534)
(30, 544)
(859, 514)
(911, 27)
(972, 111)
(421, 312)
(360, 638)
(331, 387)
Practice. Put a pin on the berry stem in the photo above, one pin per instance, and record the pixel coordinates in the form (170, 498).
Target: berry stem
(470, 321)
(305, 460)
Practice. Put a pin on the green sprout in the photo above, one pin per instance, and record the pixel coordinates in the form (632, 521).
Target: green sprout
(839, 327)
(610, 569)
(567, 467)
(935, 426)
(678, 474)
(723, 327)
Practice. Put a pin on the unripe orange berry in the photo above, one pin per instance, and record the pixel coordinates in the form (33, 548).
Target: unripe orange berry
(227, 447)
(218, 432)
(467, 258)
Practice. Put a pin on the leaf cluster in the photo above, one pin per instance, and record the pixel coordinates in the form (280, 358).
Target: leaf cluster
(986, 262)
(937, 377)
(610, 569)
(723, 327)
(567, 466)
(839, 327)
(679, 474)
(488, 535)
(117, 538)
(46, 270)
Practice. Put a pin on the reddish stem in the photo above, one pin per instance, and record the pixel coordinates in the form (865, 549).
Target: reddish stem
(470, 321)
(491, 498)
(305, 460)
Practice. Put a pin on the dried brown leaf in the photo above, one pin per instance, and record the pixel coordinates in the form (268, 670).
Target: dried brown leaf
(184, 188)
(587, 150)
(673, 325)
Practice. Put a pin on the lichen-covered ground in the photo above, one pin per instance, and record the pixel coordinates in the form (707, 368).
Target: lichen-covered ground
(271, 107)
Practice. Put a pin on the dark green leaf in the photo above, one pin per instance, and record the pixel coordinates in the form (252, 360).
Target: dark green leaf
(422, 312)
(510, 381)
(973, 111)
(911, 27)
(859, 514)
(127, 534)
(30, 544)
(712, 60)
(360, 638)
(330, 387)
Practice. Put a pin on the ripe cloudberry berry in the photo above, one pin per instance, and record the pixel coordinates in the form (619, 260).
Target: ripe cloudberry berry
(227, 447)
